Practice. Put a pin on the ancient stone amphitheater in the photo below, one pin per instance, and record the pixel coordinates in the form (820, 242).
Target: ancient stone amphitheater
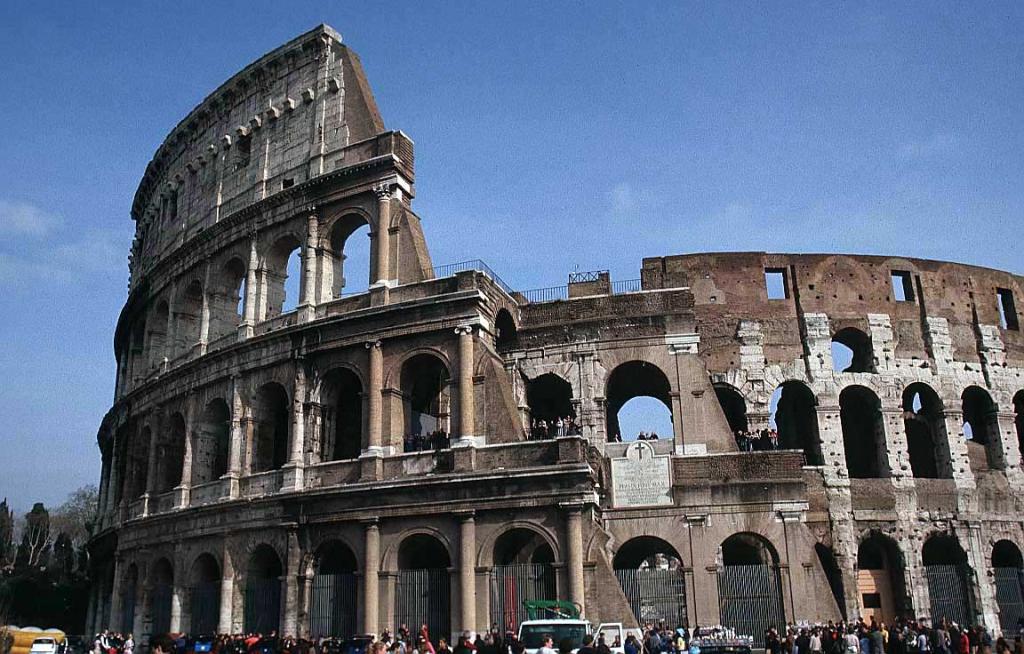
(285, 453)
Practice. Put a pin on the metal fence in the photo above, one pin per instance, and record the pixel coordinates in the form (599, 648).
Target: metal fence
(626, 286)
(750, 599)
(450, 269)
(549, 294)
(513, 584)
(205, 607)
(128, 608)
(1010, 598)
(656, 596)
(424, 597)
(333, 607)
(947, 590)
(160, 608)
(262, 605)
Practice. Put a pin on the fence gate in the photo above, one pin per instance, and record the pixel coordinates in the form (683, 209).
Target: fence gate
(515, 583)
(332, 611)
(750, 599)
(424, 597)
(947, 590)
(262, 605)
(656, 596)
(205, 608)
(1010, 598)
(160, 608)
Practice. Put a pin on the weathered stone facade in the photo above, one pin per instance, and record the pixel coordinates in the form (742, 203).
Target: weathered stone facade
(251, 454)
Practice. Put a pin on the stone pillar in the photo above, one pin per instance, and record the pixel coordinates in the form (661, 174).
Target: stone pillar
(307, 308)
(293, 473)
(371, 580)
(227, 597)
(113, 477)
(467, 572)
(291, 589)
(374, 424)
(574, 548)
(237, 442)
(249, 308)
(466, 407)
(1006, 423)
(204, 316)
(985, 605)
(177, 600)
(170, 339)
(897, 450)
(183, 491)
(382, 266)
(962, 473)
(115, 599)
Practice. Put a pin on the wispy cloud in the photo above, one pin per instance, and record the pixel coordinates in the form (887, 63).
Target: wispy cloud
(24, 219)
(937, 144)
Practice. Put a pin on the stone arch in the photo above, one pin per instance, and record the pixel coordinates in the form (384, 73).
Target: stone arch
(423, 583)
(212, 442)
(280, 289)
(156, 340)
(863, 434)
(137, 465)
(391, 552)
(794, 415)
(522, 571)
(171, 454)
(925, 426)
(226, 295)
(506, 334)
(750, 561)
(487, 547)
(549, 398)
(341, 409)
(188, 310)
(271, 414)
(425, 386)
(981, 429)
(334, 593)
(161, 589)
(263, 578)
(851, 351)
(734, 406)
(881, 583)
(204, 596)
(630, 380)
(343, 235)
(646, 552)
(948, 575)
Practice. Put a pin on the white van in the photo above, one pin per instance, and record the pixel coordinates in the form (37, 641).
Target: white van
(532, 632)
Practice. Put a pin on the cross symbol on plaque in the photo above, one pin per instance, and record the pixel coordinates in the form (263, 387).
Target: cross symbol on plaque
(639, 450)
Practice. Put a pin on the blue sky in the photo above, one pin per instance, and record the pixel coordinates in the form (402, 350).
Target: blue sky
(549, 136)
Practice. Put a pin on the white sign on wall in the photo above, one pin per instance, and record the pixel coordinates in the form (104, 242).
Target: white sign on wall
(641, 477)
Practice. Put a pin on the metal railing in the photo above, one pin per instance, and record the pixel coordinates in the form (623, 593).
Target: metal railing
(549, 294)
(450, 269)
(626, 286)
(588, 276)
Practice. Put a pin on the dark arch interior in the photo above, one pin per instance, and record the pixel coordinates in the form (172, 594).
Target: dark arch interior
(335, 558)
(1018, 420)
(188, 310)
(863, 436)
(171, 456)
(733, 406)
(630, 380)
(424, 384)
(522, 546)
(859, 345)
(213, 439)
(748, 549)
(979, 410)
(163, 573)
(879, 552)
(264, 563)
(923, 423)
(1005, 554)
(549, 397)
(205, 570)
(506, 334)
(943, 550)
(157, 342)
(797, 421)
(342, 406)
(422, 552)
(829, 565)
(646, 551)
(272, 417)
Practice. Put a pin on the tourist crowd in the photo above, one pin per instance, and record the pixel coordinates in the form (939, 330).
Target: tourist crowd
(435, 440)
(756, 440)
(542, 429)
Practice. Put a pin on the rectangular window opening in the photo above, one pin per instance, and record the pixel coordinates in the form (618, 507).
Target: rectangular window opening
(288, 182)
(775, 283)
(1007, 309)
(902, 286)
(871, 600)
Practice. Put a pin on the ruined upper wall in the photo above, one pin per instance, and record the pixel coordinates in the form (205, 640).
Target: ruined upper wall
(276, 124)
(730, 287)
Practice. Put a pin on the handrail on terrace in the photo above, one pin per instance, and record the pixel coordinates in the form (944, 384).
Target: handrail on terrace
(450, 269)
(548, 294)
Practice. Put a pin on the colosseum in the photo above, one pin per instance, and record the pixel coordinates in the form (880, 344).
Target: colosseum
(437, 446)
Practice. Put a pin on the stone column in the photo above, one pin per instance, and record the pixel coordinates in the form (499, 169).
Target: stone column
(307, 309)
(249, 309)
(382, 268)
(113, 477)
(371, 579)
(291, 590)
(467, 572)
(177, 599)
(204, 316)
(962, 473)
(115, 599)
(170, 339)
(293, 471)
(374, 423)
(466, 408)
(183, 491)
(1008, 443)
(985, 604)
(574, 548)
(237, 441)
(227, 597)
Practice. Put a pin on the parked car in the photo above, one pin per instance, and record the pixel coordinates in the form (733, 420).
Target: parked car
(44, 645)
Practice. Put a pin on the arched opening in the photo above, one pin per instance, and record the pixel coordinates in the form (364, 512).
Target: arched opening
(794, 416)
(137, 360)
(880, 581)
(425, 394)
(863, 433)
(212, 441)
(341, 401)
(188, 310)
(522, 572)
(423, 585)
(645, 388)
(945, 565)
(349, 270)
(271, 417)
(1007, 567)
(735, 409)
(650, 572)
(333, 602)
(156, 342)
(981, 429)
(227, 299)
(926, 432)
(130, 595)
(506, 334)
(161, 590)
(550, 400)
(205, 595)
(263, 591)
(851, 351)
(829, 565)
(171, 454)
(282, 272)
(749, 587)
(1018, 421)
(137, 465)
